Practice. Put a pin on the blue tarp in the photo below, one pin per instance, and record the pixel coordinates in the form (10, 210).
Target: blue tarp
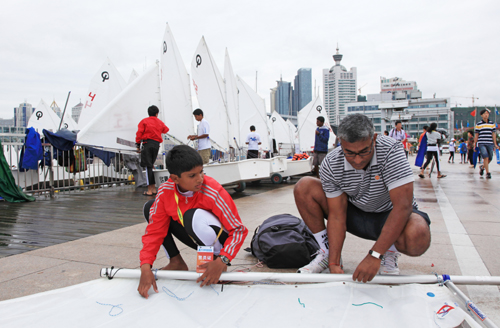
(32, 152)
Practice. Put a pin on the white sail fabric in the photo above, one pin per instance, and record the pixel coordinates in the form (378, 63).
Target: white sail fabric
(293, 133)
(176, 111)
(106, 84)
(252, 111)
(133, 76)
(116, 303)
(307, 124)
(116, 125)
(280, 129)
(210, 91)
(232, 102)
(68, 122)
(44, 118)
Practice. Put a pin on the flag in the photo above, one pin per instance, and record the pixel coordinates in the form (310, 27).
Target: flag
(462, 123)
(473, 113)
(467, 123)
(496, 111)
(456, 125)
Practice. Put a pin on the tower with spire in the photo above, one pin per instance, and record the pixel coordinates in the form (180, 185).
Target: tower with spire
(339, 88)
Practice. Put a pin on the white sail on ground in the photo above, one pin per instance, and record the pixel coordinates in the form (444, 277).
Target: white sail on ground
(116, 125)
(232, 102)
(307, 124)
(252, 112)
(210, 91)
(106, 84)
(44, 118)
(177, 110)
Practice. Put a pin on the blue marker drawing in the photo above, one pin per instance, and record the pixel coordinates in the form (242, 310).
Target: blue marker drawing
(112, 307)
(171, 294)
(303, 305)
(380, 306)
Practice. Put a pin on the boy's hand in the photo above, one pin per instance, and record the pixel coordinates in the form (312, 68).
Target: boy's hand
(213, 271)
(336, 269)
(147, 279)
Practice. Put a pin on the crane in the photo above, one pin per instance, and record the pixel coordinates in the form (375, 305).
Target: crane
(359, 89)
(473, 98)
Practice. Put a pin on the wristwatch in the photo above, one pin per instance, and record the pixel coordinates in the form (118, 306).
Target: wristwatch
(376, 254)
(225, 260)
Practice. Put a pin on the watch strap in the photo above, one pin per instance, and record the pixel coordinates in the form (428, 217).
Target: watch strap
(225, 260)
(375, 254)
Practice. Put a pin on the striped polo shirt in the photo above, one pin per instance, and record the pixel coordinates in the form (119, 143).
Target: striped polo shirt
(368, 189)
(485, 132)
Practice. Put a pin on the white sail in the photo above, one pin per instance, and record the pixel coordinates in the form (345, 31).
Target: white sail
(133, 76)
(106, 84)
(280, 130)
(252, 112)
(232, 102)
(44, 118)
(307, 124)
(210, 91)
(68, 122)
(116, 125)
(176, 111)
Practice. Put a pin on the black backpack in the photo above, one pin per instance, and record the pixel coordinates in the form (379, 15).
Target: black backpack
(284, 241)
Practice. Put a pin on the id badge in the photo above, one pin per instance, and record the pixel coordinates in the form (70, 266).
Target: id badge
(205, 254)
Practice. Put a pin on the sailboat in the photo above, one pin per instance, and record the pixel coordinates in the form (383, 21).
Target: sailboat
(105, 85)
(307, 124)
(176, 108)
(282, 134)
(44, 118)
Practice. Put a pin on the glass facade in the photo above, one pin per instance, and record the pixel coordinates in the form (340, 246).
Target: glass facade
(283, 98)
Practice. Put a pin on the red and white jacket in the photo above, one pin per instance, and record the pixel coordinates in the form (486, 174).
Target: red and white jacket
(211, 197)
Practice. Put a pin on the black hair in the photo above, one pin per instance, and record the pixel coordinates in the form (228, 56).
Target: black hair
(432, 127)
(181, 159)
(252, 128)
(153, 110)
(426, 127)
(198, 111)
(386, 132)
(483, 111)
(321, 119)
(397, 122)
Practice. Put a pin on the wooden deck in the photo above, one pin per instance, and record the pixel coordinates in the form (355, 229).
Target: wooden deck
(70, 216)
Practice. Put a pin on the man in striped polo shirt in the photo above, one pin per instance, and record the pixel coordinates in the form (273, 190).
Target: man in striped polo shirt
(484, 139)
(366, 189)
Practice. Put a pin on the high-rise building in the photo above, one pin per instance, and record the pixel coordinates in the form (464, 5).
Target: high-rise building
(399, 89)
(22, 114)
(76, 111)
(339, 88)
(283, 98)
(302, 93)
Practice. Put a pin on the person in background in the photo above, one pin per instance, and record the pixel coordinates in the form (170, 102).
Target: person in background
(421, 136)
(451, 148)
(386, 133)
(398, 133)
(470, 148)
(253, 142)
(463, 151)
(320, 144)
(203, 136)
(149, 133)
(486, 140)
(433, 138)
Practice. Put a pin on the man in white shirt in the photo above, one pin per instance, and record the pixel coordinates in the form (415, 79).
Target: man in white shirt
(398, 133)
(253, 142)
(204, 147)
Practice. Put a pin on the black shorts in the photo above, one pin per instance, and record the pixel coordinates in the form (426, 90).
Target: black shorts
(369, 225)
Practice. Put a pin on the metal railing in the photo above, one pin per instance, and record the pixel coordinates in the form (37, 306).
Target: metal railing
(66, 171)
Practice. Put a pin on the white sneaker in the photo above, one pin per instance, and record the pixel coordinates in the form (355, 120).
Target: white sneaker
(389, 264)
(318, 265)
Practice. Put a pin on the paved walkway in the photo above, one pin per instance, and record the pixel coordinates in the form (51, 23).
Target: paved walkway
(464, 209)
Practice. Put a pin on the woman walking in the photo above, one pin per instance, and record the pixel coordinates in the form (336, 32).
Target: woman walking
(432, 150)
(470, 147)
(451, 149)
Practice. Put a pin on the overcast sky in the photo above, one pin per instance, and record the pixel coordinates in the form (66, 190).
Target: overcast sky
(449, 48)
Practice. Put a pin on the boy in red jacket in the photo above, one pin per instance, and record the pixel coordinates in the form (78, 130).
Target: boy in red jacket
(199, 212)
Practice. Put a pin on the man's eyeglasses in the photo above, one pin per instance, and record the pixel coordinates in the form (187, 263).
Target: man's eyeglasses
(348, 153)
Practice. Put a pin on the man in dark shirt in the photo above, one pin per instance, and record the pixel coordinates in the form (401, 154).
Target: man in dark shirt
(149, 134)
(320, 144)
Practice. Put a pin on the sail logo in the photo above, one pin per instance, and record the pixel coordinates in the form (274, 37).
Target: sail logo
(91, 97)
(319, 108)
(164, 47)
(39, 115)
(198, 60)
(105, 76)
